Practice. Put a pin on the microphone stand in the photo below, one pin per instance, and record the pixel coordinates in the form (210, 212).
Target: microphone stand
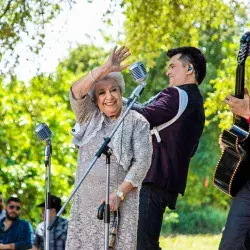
(47, 154)
(135, 94)
(108, 153)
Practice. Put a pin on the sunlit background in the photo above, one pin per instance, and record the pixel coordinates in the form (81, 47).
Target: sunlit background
(47, 45)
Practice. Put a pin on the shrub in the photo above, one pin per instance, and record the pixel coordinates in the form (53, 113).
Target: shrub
(198, 220)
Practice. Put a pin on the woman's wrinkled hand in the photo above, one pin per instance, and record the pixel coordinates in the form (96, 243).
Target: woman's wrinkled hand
(116, 58)
(114, 201)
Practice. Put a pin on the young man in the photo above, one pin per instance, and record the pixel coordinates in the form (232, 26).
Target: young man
(14, 232)
(58, 234)
(237, 230)
(174, 145)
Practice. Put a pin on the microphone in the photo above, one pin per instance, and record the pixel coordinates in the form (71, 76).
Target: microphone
(43, 132)
(139, 74)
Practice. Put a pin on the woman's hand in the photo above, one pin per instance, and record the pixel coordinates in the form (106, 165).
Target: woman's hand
(114, 201)
(117, 56)
(238, 106)
(82, 87)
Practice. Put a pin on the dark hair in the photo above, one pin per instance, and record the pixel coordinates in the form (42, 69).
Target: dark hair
(55, 202)
(15, 199)
(193, 56)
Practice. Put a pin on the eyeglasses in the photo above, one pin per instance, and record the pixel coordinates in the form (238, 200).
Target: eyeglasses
(16, 207)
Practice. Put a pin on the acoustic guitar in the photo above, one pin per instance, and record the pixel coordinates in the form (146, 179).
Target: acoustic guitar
(233, 167)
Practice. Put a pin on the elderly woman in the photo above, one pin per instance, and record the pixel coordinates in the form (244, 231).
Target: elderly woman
(96, 100)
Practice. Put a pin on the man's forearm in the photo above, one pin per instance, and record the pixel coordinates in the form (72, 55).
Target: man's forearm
(7, 246)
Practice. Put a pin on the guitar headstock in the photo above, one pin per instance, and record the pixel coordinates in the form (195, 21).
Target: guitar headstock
(244, 51)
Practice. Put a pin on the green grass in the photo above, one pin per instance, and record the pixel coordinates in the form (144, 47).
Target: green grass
(186, 242)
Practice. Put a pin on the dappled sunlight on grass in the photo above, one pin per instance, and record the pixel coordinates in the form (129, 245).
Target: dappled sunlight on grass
(186, 242)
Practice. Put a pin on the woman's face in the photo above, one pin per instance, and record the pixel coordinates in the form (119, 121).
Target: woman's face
(109, 98)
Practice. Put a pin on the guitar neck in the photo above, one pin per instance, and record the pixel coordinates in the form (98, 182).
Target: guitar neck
(239, 93)
(240, 81)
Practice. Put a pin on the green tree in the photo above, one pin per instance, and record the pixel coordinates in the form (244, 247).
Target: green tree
(24, 22)
(22, 170)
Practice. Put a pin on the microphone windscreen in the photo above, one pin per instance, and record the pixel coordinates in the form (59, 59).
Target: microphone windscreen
(138, 71)
(43, 132)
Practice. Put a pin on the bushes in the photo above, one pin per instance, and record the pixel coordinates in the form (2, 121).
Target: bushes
(196, 220)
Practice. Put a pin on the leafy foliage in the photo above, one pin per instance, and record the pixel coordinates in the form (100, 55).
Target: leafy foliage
(24, 21)
(22, 169)
(200, 220)
(154, 26)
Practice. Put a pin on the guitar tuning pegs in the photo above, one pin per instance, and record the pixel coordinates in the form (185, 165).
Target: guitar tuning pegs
(245, 38)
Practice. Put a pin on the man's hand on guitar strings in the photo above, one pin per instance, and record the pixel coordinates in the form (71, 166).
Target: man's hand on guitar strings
(222, 145)
(238, 106)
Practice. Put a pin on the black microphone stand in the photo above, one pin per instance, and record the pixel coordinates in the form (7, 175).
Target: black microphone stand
(135, 94)
(47, 154)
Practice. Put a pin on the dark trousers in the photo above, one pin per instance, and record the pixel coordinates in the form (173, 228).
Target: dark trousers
(237, 230)
(153, 202)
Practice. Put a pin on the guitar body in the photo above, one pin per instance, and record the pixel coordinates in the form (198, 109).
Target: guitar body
(233, 167)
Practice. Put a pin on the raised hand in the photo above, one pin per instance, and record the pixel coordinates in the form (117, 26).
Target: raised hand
(117, 56)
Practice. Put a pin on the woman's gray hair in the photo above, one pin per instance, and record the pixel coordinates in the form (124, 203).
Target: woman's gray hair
(117, 76)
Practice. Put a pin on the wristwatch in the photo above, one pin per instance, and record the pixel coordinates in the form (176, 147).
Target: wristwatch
(120, 194)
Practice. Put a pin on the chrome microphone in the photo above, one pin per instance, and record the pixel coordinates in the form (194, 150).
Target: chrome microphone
(138, 72)
(43, 132)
